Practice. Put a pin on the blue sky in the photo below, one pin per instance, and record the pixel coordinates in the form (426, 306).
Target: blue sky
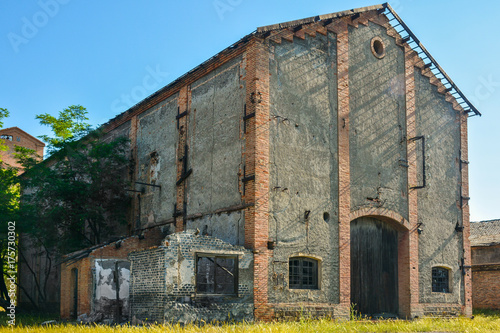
(108, 55)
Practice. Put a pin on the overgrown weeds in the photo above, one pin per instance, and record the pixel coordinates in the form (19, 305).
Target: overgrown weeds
(484, 321)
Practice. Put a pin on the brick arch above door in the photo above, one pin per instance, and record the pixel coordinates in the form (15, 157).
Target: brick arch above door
(380, 213)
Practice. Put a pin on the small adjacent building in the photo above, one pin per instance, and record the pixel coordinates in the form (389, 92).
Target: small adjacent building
(485, 249)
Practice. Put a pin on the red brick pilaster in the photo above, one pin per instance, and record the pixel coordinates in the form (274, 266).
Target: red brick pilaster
(183, 104)
(465, 213)
(408, 256)
(257, 164)
(341, 30)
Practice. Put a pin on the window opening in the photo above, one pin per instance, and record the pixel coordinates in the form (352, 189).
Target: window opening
(6, 137)
(440, 280)
(216, 274)
(303, 273)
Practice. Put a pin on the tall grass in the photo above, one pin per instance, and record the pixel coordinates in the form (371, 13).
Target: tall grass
(483, 322)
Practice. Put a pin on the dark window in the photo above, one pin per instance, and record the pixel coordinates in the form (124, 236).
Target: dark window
(303, 273)
(440, 280)
(216, 274)
(6, 137)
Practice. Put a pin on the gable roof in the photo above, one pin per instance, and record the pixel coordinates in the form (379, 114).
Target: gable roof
(292, 28)
(485, 233)
(15, 128)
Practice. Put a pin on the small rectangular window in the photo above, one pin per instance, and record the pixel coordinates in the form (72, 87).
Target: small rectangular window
(303, 273)
(440, 280)
(216, 274)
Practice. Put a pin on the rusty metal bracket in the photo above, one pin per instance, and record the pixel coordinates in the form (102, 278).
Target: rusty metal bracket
(248, 179)
(180, 115)
(185, 172)
(177, 212)
(463, 267)
(153, 185)
(246, 117)
(422, 138)
(184, 176)
(462, 198)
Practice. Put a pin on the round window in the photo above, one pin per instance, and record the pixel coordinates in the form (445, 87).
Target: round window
(378, 47)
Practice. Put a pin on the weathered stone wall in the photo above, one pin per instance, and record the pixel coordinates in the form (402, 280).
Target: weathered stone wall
(377, 120)
(303, 165)
(214, 139)
(163, 284)
(439, 202)
(156, 159)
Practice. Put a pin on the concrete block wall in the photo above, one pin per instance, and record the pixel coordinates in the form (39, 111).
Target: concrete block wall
(163, 287)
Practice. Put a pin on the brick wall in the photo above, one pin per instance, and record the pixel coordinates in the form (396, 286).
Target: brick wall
(116, 250)
(257, 164)
(163, 282)
(486, 277)
(486, 287)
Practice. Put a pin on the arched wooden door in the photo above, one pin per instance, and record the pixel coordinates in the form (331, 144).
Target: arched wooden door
(374, 267)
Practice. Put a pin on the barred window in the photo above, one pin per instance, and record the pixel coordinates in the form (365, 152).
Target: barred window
(440, 280)
(216, 274)
(303, 273)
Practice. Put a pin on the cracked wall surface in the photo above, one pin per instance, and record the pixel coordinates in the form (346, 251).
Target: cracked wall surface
(439, 202)
(377, 121)
(215, 151)
(303, 157)
(156, 142)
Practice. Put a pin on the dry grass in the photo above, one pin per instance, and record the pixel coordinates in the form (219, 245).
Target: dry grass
(483, 322)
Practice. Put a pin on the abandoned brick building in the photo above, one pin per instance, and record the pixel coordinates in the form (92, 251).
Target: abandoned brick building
(312, 165)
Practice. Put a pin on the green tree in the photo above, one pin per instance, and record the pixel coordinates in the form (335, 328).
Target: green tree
(77, 197)
(71, 125)
(9, 206)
